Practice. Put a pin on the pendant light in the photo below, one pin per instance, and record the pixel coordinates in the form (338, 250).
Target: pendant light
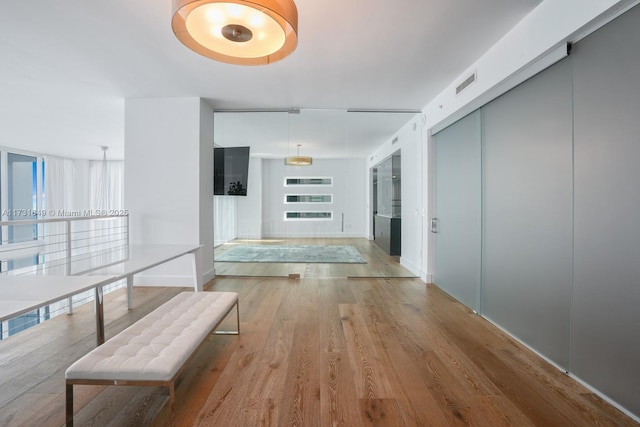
(104, 195)
(242, 32)
(298, 160)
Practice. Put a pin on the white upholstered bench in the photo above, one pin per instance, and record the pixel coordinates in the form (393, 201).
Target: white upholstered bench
(154, 350)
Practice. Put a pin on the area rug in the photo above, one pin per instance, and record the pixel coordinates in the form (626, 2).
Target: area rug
(293, 254)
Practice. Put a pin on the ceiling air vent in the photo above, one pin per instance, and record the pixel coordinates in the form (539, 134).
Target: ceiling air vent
(466, 83)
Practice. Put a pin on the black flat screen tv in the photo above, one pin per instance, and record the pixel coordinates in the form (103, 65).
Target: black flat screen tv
(230, 171)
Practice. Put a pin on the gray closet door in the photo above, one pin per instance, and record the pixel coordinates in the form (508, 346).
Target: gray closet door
(527, 211)
(457, 209)
(606, 302)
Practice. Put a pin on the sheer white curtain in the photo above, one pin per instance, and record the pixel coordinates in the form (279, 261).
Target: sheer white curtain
(58, 201)
(59, 179)
(106, 197)
(114, 198)
(59, 176)
(58, 183)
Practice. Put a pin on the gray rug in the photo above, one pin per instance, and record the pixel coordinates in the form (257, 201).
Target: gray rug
(293, 254)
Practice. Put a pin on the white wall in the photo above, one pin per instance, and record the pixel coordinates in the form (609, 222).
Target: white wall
(409, 141)
(168, 171)
(249, 208)
(349, 198)
(520, 54)
(225, 224)
(203, 186)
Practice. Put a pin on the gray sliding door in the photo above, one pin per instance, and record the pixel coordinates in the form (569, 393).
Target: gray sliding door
(606, 303)
(555, 260)
(457, 209)
(527, 212)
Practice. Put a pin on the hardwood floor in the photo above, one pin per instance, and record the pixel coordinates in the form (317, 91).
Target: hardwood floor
(312, 352)
(379, 264)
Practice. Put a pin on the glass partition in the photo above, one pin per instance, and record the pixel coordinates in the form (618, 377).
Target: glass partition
(324, 205)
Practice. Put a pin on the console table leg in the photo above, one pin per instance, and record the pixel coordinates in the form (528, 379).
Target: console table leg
(99, 305)
(130, 291)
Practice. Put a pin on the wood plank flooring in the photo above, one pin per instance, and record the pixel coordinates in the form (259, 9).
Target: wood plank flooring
(379, 264)
(312, 352)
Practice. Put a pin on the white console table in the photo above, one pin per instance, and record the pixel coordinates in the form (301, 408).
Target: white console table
(125, 262)
(21, 294)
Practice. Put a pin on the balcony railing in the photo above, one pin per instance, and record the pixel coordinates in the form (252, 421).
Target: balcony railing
(59, 246)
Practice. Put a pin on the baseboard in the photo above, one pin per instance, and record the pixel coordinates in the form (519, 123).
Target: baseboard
(249, 237)
(410, 266)
(208, 276)
(426, 277)
(606, 398)
(312, 235)
(563, 369)
(163, 281)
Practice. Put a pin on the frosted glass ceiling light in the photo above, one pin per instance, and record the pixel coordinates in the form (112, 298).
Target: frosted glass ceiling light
(298, 160)
(239, 32)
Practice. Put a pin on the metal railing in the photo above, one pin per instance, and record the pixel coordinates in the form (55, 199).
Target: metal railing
(57, 243)
(58, 246)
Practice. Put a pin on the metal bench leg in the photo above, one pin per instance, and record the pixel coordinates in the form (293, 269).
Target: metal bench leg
(238, 317)
(172, 403)
(69, 405)
(198, 284)
(237, 331)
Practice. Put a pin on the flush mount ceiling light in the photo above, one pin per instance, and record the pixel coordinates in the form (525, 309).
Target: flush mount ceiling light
(239, 32)
(298, 160)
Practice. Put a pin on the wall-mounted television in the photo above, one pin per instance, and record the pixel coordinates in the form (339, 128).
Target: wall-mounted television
(230, 171)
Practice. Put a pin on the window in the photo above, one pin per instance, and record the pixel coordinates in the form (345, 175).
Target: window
(22, 196)
(306, 215)
(25, 247)
(21, 181)
(27, 320)
(318, 199)
(308, 181)
(308, 198)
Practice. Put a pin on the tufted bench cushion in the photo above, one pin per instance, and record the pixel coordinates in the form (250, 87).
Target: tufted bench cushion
(156, 346)
(153, 350)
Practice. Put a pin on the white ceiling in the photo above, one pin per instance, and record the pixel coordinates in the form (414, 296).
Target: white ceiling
(66, 66)
(328, 134)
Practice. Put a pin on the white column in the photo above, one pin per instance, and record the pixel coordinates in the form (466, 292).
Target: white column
(169, 181)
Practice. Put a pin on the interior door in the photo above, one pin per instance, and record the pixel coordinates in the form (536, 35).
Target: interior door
(457, 220)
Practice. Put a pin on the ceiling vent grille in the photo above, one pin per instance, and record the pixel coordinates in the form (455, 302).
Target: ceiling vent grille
(466, 83)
